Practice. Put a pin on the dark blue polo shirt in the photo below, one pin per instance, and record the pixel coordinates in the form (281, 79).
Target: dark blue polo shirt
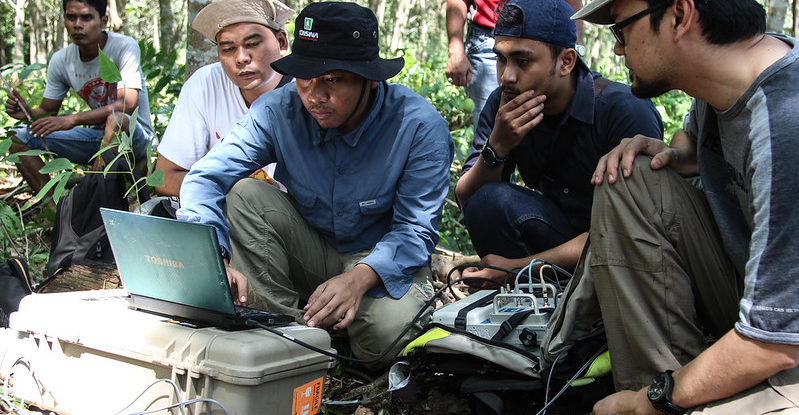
(598, 123)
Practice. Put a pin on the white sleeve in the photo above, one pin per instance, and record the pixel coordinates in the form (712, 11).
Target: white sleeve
(186, 138)
(129, 63)
(57, 85)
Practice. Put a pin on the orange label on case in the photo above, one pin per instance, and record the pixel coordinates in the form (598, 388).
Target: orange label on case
(308, 397)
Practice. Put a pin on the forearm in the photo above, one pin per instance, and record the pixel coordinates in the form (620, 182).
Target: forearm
(456, 18)
(731, 365)
(173, 177)
(685, 153)
(474, 178)
(565, 255)
(99, 115)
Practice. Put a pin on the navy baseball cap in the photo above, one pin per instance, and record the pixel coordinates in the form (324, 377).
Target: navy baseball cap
(546, 21)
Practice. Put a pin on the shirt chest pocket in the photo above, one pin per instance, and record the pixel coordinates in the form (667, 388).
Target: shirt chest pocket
(376, 205)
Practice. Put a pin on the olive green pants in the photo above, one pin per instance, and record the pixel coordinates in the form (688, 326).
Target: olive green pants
(656, 274)
(284, 259)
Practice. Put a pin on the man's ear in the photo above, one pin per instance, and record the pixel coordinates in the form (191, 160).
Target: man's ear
(282, 41)
(566, 61)
(685, 16)
(104, 21)
(373, 84)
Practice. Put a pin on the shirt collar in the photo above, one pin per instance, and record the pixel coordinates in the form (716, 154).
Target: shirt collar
(353, 137)
(582, 105)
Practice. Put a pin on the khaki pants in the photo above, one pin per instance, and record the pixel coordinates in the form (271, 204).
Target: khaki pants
(285, 259)
(655, 273)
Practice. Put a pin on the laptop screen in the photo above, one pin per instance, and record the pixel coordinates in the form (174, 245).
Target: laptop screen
(169, 260)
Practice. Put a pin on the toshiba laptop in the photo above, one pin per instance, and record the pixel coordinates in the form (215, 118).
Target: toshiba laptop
(174, 268)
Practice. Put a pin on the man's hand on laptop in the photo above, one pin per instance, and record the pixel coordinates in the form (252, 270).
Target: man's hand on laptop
(337, 300)
(238, 284)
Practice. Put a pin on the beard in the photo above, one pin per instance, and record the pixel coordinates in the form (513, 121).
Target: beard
(648, 89)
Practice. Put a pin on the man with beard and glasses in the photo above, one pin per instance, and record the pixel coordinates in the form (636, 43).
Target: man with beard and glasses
(248, 35)
(78, 136)
(552, 119)
(366, 164)
(697, 288)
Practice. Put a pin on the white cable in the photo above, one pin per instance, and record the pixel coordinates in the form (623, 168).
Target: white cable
(529, 269)
(39, 386)
(182, 404)
(544, 284)
(174, 386)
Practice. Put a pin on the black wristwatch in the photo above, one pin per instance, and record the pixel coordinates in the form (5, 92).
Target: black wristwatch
(224, 252)
(490, 158)
(659, 394)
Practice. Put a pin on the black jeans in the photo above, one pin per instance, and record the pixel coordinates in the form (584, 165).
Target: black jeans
(514, 221)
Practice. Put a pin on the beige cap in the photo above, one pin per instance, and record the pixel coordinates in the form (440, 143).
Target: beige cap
(597, 12)
(220, 13)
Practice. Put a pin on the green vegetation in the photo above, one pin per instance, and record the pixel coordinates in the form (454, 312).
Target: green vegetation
(26, 221)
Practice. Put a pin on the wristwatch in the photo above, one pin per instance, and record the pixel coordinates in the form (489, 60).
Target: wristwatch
(224, 252)
(490, 158)
(659, 394)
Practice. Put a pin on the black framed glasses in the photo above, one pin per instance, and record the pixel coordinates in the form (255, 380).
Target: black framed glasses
(616, 29)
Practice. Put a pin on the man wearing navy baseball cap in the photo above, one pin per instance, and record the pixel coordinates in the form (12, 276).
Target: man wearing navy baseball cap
(366, 164)
(552, 119)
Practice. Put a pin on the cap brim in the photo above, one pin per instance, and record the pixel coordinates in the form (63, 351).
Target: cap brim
(304, 67)
(597, 12)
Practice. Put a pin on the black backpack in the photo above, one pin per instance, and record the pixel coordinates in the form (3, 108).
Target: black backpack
(79, 235)
(15, 283)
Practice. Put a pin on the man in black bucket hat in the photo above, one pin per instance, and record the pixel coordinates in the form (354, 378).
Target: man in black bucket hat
(366, 164)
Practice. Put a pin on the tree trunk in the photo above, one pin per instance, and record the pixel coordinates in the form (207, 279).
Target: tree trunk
(380, 12)
(400, 23)
(199, 51)
(795, 24)
(114, 17)
(421, 53)
(168, 31)
(19, 31)
(775, 19)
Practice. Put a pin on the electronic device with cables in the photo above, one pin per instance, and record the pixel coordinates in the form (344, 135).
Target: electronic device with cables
(516, 316)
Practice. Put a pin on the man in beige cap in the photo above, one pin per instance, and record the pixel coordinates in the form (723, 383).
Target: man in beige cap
(248, 35)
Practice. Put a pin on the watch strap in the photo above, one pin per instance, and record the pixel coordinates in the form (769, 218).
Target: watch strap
(224, 252)
(489, 156)
(663, 403)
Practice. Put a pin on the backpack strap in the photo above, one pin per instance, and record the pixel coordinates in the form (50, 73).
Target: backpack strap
(20, 268)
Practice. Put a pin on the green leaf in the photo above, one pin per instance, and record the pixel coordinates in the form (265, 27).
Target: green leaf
(30, 68)
(63, 178)
(42, 193)
(156, 179)
(108, 71)
(56, 165)
(161, 84)
(132, 124)
(5, 145)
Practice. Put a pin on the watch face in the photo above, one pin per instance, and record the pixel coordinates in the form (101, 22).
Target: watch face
(656, 388)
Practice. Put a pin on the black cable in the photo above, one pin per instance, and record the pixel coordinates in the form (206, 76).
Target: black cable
(253, 323)
(573, 378)
(461, 267)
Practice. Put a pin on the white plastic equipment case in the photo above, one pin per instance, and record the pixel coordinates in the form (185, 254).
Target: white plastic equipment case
(86, 353)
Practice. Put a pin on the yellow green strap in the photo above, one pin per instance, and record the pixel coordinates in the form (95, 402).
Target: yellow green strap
(432, 334)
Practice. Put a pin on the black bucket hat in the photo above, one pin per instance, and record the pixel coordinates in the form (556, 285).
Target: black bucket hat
(333, 36)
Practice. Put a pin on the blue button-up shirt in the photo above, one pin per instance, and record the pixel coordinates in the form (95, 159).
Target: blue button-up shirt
(380, 187)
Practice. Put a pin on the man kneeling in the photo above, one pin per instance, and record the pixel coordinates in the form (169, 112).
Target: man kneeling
(367, 166)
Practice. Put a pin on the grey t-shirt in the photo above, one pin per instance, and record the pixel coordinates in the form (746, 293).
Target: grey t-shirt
(748, 159)
(66, 71)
